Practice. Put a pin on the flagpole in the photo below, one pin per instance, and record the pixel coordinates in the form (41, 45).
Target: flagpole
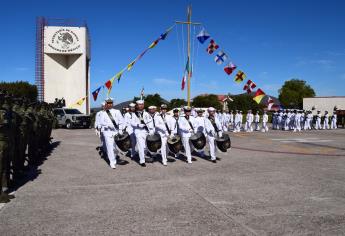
(189, 16)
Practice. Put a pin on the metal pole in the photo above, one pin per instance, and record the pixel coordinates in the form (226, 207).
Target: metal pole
(189, 16)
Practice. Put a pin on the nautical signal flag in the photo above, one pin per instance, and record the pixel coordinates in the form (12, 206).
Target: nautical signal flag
(109, 83)
(230, 68)
(259, 95)
(203, 36)
(165, 34)
(130, 65)
(270, 103)
(80, 102)
(249, 86)
(152, 45)
(240, 76)
(220, 57)
(96, 92)
(212, 47)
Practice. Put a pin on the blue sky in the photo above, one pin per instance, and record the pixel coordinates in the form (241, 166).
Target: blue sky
(272, 41)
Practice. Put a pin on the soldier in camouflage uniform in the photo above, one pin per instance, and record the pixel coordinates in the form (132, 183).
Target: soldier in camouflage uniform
(5, 129)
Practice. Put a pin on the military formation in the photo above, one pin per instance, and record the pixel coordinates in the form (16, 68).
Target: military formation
(152, 133)
(25, 131)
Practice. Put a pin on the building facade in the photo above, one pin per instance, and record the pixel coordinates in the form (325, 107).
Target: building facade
(324, 103)
(63, 62)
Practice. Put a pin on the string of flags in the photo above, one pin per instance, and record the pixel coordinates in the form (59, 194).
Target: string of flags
(222, 57)
(109, 83)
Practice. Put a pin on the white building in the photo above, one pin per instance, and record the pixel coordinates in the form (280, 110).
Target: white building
(64, 63)
(324, 103)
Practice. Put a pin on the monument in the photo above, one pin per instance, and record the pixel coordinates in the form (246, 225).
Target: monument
(63, 62)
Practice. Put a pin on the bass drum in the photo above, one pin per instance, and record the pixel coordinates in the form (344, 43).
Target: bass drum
(198, 140)
(123, 142)
(223, 143)
(175, 144)
(154, 143)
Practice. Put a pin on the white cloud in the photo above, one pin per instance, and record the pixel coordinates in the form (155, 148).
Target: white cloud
(325, 63)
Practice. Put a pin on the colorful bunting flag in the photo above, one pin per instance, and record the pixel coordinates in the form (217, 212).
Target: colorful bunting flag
(203, 36)
(165, 34)
(240, 76)
(220, 57)
(249, 86)
(270, 103)
(96, 92)
(80, 101)
(259, 95)
(130, 65)
(109, 83)
(212, 47)
(152, 45)
(230, 68)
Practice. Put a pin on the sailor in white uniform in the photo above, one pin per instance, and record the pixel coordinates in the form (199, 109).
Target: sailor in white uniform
(142, 125)
(200, 125)
(249, 120)
(264, 122)
(334, 120)
(213, 129)
(187, 126)
(128, 119)
(318, 120)
(98, 127)
(257, 121)
(112, 124)
(326, 121)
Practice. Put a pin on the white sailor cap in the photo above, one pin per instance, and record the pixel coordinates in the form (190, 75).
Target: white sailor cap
(211, 109)
(164, 106)
(108, 100)
(140, 102)
(152, 107)
(186, 108)
(131, 104)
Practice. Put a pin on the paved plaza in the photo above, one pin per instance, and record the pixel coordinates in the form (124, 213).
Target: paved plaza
(276, 183)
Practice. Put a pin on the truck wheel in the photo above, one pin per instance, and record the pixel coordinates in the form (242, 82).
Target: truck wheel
(68, 124)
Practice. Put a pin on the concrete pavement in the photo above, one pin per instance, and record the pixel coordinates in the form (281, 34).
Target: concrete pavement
(276, 183)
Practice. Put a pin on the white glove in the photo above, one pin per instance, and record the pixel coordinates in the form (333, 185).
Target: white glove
(151, 132)
(220, 133)
(171, 135)
(120, 132)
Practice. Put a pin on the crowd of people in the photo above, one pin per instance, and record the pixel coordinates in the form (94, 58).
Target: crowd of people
(25, 131)
(139, 124)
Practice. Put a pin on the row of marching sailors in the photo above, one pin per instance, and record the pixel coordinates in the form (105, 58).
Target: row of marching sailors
(141, 125)
(300, 120)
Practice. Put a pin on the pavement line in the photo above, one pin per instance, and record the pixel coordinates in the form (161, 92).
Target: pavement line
(220, 210)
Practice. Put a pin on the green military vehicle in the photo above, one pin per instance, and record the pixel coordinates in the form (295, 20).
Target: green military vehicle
(71, 118)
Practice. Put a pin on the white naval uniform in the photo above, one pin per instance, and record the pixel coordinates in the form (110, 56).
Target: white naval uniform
(249, 121)
(297, 122)
(257, 121)
(334, 121)
(326, 122)
(211, 134)
(109, 132)
(141, 132)
(231, 120)
(264, 123)
(130, 131)
(318, 121)
(200, 127)
(307, 121)
(162, 130)
(186, 131)
(98, 128)
(280, 120)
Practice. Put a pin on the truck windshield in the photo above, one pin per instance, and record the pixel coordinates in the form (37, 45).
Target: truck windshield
(72, 111)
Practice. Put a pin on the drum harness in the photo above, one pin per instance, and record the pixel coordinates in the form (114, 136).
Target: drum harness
(190, 124)
(141, 119)
(213, 122)
(112, 119)
(166, 125)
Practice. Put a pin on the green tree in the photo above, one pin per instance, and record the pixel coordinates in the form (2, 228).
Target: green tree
(176, 102)
(292, 93)
(244, 102)
(20, 89)
(210, 100)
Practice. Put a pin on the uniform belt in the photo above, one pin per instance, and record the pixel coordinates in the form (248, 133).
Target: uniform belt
(109, 129)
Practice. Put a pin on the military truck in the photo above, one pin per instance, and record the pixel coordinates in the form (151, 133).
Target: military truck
(71, 118)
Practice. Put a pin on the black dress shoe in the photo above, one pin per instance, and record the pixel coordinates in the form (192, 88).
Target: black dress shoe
(214, 161)
(143, 165)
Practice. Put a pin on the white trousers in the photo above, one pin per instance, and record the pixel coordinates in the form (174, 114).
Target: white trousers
(213, 149)
(333, 124)
(110, 146)
(318, 124)
(264, 127)
(248, 127)
(164, 151)
(325, 124)
(186, 145)
(141, 142)
(257, 126)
